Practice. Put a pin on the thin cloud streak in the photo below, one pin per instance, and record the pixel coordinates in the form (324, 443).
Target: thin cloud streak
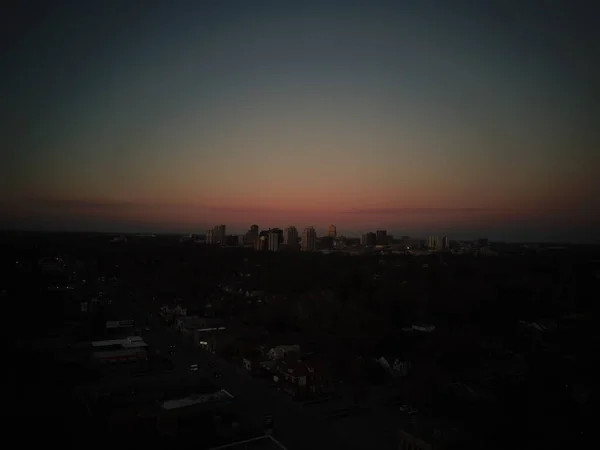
(116, 206)
(384, 211)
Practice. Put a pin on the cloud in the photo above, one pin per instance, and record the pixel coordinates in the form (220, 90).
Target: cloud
(417, 211)
(117, 206)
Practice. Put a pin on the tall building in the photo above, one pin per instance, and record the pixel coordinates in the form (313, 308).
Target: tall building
(309, 239)
(332, 232)
(252, 235)
(434, 243)
(262, 242)
(368, 239)
(445, 243)
(219, 234)
(382, 237)
(210, 237)
(273, 240)
(290, 236)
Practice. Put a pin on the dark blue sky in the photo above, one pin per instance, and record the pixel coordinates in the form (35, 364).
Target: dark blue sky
(178, 115)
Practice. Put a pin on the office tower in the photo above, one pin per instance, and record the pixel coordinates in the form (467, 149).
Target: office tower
(381, 237)
(219, 234)
(332, 232)
(290, 236)
(262, 243)
(433, 243)
(279, 233)
(252, 235)
(445, 243)
(273, 240)
(210, 237)
(363, 239)
(309, 239)
(371, 239)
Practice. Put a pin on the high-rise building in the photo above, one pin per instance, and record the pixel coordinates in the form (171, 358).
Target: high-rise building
(434, 243)
(332, 231)
(219, 234)
(381, 237)
(290, 236)
(368, 239)
(210, 237)
(252, 235)
(262, 242)
(309, 239)
(445, 243)
(273, 240)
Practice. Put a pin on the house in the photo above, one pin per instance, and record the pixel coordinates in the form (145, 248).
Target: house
(423, 327)
(291, 377)
(292, 370)
(280, 351)
(252, 359)
(302, 378)
(394, 365)
(319, 376)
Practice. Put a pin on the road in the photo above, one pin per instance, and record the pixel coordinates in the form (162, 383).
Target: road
(294, 426)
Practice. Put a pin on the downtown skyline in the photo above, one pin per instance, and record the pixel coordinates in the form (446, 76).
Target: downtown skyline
(417, 118)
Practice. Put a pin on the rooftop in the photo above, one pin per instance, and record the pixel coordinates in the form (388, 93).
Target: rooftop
(218, 396)
(265, 442)
(128, 342)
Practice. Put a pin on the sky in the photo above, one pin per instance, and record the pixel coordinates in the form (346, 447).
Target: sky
(467, 118)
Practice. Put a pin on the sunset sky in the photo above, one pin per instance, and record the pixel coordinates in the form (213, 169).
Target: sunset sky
(416, 116)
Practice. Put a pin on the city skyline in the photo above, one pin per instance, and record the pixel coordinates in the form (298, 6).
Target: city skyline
(478, 120)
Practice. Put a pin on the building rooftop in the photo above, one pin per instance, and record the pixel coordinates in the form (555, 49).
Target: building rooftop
(119, 324)
(218, 396)
(265, 442)
(128, 342)
(107, 343)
